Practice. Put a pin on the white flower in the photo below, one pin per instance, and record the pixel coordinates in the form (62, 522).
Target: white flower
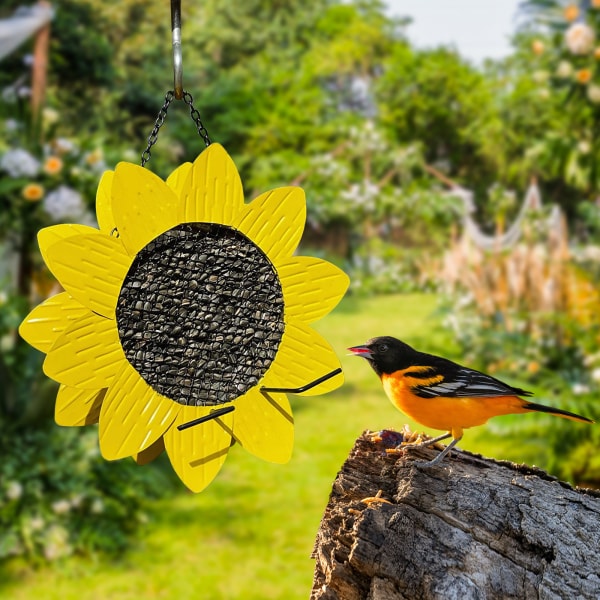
(76, 500)
(580, 38)
(11, 125)
(579, 388)
(57, 545)
(61, 507)
(19, 163)
(63, 145)
(97, 506)
(595, 374)
(50, 116)
(362, 195)
(9, 95)
(584, 146)
(64, 202)
(593, 93)
(544, 93)
(540, 76)
(7, 342)
(14, 490)
(131, 155)
(36, 523)
(564, 69)
(3, 297)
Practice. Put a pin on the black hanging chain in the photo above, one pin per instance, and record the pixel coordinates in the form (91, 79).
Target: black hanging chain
(162, 115)
(195, 116)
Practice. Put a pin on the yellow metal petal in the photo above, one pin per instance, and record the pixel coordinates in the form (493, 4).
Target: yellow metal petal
(92, 269)
(76, 407)
(133, 415)
(150, 453)
(104, 213)
(275, 221)
(87, 355)
(48, 236)
(45, 323)
(264, 425)
(176, 179)
(311, 287)
(213, 190)
(303, 357)
(144, 206)
(198, 453)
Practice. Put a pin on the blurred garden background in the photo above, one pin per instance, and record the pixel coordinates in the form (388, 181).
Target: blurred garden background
(462, 198)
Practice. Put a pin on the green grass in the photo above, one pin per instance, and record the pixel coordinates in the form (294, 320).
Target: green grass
(250, 534)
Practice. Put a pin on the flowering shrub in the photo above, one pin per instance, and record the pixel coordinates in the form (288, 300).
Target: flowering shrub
(50, 184)
(565, 62)
(58, 496)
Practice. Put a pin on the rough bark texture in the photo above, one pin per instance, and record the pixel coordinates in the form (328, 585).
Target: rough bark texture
(468, 528)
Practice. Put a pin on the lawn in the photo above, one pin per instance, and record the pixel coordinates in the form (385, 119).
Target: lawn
(250, 534)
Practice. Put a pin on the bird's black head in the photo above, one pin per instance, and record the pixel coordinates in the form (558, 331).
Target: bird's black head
(386, 354)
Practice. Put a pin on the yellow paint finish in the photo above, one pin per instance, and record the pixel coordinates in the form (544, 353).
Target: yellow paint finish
(444, 413)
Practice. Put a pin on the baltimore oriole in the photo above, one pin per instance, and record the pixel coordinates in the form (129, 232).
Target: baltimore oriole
(441, 394)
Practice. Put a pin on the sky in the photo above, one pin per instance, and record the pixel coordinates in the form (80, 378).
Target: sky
(479, 29)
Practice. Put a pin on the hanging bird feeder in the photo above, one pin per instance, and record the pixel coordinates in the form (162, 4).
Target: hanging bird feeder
(186, 316)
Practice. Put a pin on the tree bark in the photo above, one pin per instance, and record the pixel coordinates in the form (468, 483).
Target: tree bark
(468, 528)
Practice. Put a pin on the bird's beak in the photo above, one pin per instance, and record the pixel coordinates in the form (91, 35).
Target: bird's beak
(363, 351)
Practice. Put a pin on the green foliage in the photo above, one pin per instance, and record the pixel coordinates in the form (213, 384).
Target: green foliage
(563, 62)
(58, 496)
(435, 97)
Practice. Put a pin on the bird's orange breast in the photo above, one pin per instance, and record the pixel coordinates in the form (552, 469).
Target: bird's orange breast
(441, 412)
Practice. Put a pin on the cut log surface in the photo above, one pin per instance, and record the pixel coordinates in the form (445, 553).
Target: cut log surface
(469, 528)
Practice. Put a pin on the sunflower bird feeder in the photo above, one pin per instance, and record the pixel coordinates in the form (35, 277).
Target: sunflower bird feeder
(185, 317)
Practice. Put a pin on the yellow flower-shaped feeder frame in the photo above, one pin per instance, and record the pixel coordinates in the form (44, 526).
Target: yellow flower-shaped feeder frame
(186, 307)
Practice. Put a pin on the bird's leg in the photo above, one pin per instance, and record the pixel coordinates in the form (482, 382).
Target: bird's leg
(438, 459)
(425, 443)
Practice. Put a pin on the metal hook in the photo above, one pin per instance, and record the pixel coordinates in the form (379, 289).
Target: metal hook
(177, 58)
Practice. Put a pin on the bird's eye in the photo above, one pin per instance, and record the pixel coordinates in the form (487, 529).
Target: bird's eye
(382, 348)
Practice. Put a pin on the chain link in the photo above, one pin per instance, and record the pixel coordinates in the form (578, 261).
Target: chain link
(162, 115)
(195, 115)
(160, 119)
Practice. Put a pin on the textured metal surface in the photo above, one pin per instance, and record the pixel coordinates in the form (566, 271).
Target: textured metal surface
(143, 206)
(197, 454)
(264, 425)
(275, 221)
(152, 452)
(304, 355)
(213, 190)
(87, 355)
(133, 415)
(47, 321)
(91, 268)
(48, 236)
(76, 407)
(311, 287)
(104, 215)
(177, 178)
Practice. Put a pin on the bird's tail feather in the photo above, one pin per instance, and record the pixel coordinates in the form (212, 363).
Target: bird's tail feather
(556, 411)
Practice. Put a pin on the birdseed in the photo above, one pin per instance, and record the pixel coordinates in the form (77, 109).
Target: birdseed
(200, 314)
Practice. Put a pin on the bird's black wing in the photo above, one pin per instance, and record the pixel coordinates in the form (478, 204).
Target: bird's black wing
(462, 382)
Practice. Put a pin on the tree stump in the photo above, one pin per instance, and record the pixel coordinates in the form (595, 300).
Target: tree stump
(469, 528)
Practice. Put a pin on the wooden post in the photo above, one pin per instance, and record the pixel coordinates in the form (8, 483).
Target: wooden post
(40, 67)
(468, 528)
